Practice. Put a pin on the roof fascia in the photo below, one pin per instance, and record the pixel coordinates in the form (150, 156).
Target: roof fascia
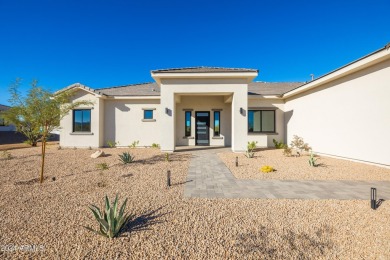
(134, 97)
(265, 97)
(190, 75)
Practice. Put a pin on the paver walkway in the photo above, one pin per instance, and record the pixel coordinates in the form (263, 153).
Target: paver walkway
(208, 177)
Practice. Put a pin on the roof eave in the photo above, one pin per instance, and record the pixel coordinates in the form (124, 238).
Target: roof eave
(134, 97)
(157, 76)
(82, 87)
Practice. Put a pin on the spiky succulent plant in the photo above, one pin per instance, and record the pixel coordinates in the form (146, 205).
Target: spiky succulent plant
(126, 158)
(111, 221)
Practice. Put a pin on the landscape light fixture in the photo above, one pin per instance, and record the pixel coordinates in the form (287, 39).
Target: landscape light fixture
(168, 178)
(236, 161)
(373, 198)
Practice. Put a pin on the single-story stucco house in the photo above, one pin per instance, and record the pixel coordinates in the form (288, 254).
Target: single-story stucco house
(345, 113)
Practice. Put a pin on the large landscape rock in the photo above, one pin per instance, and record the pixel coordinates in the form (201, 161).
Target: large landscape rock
(97, 154)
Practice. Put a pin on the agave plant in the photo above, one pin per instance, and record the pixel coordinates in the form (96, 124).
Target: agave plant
(126, 158)
(111, 221)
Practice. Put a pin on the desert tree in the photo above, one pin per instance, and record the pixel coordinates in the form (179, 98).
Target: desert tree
(39, 113)
(21, 116)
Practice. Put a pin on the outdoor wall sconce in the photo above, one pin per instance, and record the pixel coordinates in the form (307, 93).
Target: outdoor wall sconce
(241, 111)
(373, 198)
(167, 111)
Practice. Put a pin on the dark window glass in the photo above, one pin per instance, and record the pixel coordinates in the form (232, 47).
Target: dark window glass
(82, 120)
(148, 114)
(261, 121)
(217, 123)
(188, 123)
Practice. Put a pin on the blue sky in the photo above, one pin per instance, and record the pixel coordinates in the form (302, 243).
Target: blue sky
(107, 43)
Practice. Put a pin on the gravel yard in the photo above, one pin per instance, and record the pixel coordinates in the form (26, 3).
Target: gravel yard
(166, 225)
(297, 168)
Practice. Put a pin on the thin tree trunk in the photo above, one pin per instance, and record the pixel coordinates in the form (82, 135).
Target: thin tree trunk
(43, 153)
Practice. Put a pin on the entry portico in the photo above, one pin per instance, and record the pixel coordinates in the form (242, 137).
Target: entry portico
(204, 90)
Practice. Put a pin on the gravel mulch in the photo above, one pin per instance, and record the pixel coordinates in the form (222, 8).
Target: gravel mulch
(166, 225)
(298, 168)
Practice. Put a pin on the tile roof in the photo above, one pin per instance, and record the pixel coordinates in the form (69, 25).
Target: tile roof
(272, 88)
(203, 70)
(4, 107)
(142, 89)
(152, 89)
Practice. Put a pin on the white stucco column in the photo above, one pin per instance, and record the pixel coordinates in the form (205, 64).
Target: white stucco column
(167, 118)
(239, 120)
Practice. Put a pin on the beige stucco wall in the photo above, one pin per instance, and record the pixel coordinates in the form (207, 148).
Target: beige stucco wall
(237, 87)
(349, 117)
(124, 122)
(203, 103)
(265, 139)
(69, 139)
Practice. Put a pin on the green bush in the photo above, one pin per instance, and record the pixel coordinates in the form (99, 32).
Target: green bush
(250, 149)
(155, 145)
(112, 144)
(312, 160)
(111, 222)
(134, 144)
(102, 166)
(278, 145)
(167, 157)
(126, 158)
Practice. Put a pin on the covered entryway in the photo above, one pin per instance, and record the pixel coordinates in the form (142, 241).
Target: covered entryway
(187, 91)
(203, 120)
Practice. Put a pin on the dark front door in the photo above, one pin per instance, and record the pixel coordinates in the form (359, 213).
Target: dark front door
(202, 131)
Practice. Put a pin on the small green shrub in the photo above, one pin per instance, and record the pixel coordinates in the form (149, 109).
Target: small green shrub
(111, 222)
(250, 149)
(126, 158)
(266, 169)
(112, 144)
(6, 155)
(287, 151)
(167, 157)
(299, 144)
(312, 160)
(155, 145)
(102, 166)
(134, 144)
(278, 145)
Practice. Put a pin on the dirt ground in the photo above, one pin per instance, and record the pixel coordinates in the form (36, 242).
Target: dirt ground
(298, 168)
(46, 221)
